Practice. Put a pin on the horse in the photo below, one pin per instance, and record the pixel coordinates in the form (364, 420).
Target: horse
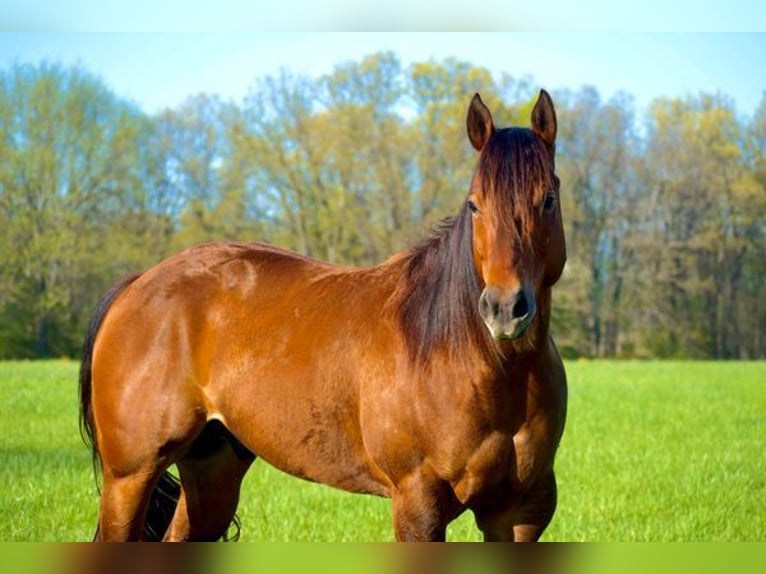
(430, 378)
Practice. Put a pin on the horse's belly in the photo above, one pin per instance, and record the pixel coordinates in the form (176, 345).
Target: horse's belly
(344, 470)
(317, 444)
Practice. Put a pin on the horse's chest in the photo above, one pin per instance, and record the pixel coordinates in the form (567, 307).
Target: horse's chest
(532, 455)
(516, 460)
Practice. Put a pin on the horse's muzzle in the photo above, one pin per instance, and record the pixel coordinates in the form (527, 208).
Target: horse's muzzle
(507, 314)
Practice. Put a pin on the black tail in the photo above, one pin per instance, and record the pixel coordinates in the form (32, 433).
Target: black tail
(162, 505)
(165, 495)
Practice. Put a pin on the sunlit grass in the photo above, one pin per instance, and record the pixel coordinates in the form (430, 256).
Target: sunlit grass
(652, 451)
(663, 451)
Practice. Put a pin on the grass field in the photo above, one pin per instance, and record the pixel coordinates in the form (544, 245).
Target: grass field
(653, 451)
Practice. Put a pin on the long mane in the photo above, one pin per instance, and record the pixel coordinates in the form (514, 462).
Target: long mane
(438, 301)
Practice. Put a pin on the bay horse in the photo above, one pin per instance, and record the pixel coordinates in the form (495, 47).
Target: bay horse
(430, 378)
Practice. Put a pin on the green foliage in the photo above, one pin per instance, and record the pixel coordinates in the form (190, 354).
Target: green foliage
(653, 451)
(665, 225)
(68, 220)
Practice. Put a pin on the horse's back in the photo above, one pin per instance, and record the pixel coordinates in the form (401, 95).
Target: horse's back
(191, 304)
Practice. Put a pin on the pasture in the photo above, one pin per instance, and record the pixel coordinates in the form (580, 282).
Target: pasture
(653, 451)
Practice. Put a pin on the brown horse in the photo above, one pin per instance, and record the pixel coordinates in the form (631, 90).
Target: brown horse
(430, 378)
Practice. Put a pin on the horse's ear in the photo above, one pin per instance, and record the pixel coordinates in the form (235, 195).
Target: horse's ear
(544, 118)
(479, 123)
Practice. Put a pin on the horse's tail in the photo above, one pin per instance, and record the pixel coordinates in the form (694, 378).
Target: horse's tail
(165, 495)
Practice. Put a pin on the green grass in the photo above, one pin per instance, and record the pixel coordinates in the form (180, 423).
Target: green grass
(652, 451)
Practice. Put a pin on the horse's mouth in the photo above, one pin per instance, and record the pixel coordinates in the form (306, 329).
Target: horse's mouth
(513, 331)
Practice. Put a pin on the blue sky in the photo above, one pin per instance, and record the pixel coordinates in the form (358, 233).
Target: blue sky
(159, 70)
(374, 15)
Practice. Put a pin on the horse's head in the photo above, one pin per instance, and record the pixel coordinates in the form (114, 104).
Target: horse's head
(518, 236)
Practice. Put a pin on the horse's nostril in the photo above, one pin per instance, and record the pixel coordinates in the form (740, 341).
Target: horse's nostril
(485, 306)
(489, 305)
(520, 306)
(500, 308)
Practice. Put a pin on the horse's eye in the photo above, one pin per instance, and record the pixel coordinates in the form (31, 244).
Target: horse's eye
(472, 207)
(550, 201)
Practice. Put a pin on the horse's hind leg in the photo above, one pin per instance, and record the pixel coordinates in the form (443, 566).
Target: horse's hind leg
(137, 443)
(211, 475)
(123, 506)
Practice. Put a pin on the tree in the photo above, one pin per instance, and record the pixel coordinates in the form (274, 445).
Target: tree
(665, 225)
(440, 94)
(197, 182)
(330, 166)
(703, 217)
(750, 223)
(596, 150)
(69, 156)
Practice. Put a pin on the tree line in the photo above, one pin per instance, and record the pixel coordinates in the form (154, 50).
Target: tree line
(664, 210)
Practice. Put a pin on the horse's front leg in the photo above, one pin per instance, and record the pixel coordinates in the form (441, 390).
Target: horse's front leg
(523, 519)
(423, 505)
